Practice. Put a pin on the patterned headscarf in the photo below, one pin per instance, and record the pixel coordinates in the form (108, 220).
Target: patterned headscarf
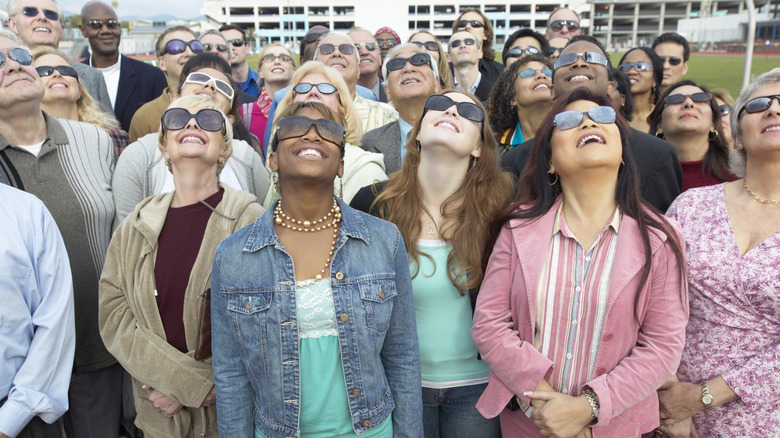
(390, 31)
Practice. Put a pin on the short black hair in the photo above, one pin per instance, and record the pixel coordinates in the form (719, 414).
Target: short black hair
(673, 37)
(591, 40)
(225, 27)
(544, 46)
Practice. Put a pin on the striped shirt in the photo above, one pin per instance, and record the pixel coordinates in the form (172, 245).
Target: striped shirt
(572, 297)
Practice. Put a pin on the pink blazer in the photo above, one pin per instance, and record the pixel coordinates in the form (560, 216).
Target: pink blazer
(633, 359)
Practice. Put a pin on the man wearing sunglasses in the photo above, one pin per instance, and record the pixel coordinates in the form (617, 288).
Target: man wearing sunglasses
(370, 62)
(583, 63)
(130, 83)
(465, 51)
(674, 51)
(68, 165)
(214, 42)
(562, 23)
(245, 77)
(411, 76)
(39, 23)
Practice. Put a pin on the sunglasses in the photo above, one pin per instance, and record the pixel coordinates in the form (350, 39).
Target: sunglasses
(219, 47)
(298, 126)
(203, 79)
(238, 42)
(589, 57)
(387, 43)
(573, 118)
(638, 66)
(416, 59)
(18, 54)
(758, 104)
(313, 36)
(65, 70)
(468, 110)
(473, 23)
(282, 58)
(725, 109)
(558, 24)
(176, 46)
(370, 46)
(673, 60)
(529, 72)
(432, 46)
(676, 99)
(555, 51)
(344, 49)
(457, 43)
(324, 88)
(97, 24)
(517, 52)
(175, 119)
(31, 11)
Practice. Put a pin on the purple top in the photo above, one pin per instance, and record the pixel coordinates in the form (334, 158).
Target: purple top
(734, 327)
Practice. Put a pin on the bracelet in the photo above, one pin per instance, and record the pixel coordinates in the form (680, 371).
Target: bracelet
(593, 400)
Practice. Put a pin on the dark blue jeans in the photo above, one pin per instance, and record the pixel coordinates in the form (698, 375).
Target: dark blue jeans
(452, 413)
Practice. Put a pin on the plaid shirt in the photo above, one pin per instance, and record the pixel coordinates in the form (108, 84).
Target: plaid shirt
(120, 139)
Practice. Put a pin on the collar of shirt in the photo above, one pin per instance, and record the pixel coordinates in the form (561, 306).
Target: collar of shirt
(405, 130)
(110, 68)
(473, 87)
(375, 88)
(560, 226)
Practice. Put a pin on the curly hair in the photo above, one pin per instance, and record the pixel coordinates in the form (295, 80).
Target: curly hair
(501, 114)
(544, 46)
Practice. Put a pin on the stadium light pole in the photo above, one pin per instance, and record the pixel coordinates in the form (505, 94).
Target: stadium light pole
(751, 40)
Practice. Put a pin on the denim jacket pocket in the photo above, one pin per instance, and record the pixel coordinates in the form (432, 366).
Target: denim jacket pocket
(377, 296)
(249, 311)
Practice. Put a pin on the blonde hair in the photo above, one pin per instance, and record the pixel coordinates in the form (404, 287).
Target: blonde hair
(261, 82)
(198, 102)
(354, 126)
(445, 75)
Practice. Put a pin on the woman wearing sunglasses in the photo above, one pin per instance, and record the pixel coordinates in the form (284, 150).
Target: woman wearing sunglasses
(141, 172)
(312, 312)
(474, 21)
(732, 351)
(519, 101)
(158, 270)
(314, 82)
(426, 40)
(582, 312)
(725, 105)
(66, 97)
(645, 71)
(524, 42)
(443, 199)
(689, 118)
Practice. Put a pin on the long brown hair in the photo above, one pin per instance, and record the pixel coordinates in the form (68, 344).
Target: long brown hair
(466, 215)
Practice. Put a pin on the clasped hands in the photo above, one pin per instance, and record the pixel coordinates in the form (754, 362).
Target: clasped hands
(169, 407)
(560, 415)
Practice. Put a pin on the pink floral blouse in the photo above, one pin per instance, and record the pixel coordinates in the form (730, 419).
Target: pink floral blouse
(734, 327)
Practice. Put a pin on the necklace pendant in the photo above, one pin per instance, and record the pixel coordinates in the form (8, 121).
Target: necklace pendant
(431, 230)
(318, 277)
(306, 223)
(278, 220)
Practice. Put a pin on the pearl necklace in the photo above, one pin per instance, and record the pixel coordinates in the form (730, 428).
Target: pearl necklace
(335, 212)
(756, 197)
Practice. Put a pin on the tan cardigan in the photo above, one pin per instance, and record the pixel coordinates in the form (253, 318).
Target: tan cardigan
(130, 323)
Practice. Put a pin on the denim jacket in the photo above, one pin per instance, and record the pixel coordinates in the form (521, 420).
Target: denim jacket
(255, 329)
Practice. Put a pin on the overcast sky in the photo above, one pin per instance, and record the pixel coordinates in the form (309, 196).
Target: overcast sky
(144, 8)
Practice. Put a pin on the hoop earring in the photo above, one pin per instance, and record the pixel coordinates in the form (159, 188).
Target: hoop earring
(419, 146)
(556, 179)
(712, 137)
(659, 134)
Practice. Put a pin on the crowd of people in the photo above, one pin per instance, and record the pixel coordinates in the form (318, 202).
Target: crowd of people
(384, 238)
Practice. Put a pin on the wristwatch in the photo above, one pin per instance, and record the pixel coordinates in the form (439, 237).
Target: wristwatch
(706, 397)
(593, 399)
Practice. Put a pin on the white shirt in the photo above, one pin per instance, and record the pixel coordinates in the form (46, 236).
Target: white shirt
(111, 76)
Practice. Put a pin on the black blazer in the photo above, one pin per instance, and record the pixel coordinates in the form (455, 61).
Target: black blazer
(139, 83)
(385, 140)
(660, 174)
(490, 68)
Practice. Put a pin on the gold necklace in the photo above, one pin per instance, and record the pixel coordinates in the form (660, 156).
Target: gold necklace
(335, 211)
(756, 197)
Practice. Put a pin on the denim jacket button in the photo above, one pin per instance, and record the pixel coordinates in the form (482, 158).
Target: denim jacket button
(381, 294)
(344, 317)
(356, 392)
(249, 305)
(339, 276)
(366, 423)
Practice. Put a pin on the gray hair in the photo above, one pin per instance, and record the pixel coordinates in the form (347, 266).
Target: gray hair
(317, 50)
(7, 34)
(738, 157)
(11, 9)
(218, 33)
(394, 51)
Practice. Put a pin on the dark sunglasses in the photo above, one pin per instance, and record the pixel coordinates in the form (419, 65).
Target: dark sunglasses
(282, 57)
(387, 43)
(673, 60)
(529, 72)
(344, 49)
(433, 46)
(220, 47)
(65, 70)
(175, 119)
(416, 59)
(676, 99)
(298, 126)
(725, 109)
(467, 41)
(370, 46)
(18, 54)
(589, 57)
(97, 24)
(314, 36)
(176, 46)
(555, 51)
(324, 88)
(558, 25)
(237, 42)
(473, 23)
(517, 52)
(638, 66)
(573, 118)
(31, 11)
(758, 104)
(468, 110)
(203, 79)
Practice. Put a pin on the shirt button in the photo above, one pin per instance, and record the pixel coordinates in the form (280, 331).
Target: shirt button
(344, 317)
(381, 294)
(356, 392)
(574, 322)
(578, 288)
(565, 391)
(568, 356)
(248, 305)
(608, 337)
(339, 275)
(587, 258)
(601, 371)
(366, 423)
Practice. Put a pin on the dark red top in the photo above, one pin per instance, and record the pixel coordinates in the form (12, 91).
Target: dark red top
(178, 247)
(694, 175)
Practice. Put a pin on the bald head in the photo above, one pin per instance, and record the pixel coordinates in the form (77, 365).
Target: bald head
(100, 25)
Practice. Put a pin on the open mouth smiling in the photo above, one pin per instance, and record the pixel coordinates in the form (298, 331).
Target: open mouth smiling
(589, 139)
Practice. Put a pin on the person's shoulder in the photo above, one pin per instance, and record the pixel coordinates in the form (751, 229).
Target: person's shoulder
(17, 200)
(641, 139)
(365, 197)
(141, 65)
(698, 198)
(381, 131)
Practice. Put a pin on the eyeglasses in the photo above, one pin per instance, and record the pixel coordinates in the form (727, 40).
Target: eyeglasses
(18, 54)
(298, 126)
(673, 60)
(758, 104)
(237, 42)
(324, 88)
(573, 118)
(203, 79)
(468, 110)
(208, 119)
(65, 70)
(467, 41)
(517, 52)
(432, 46)
(282, 58)
(638, 66)
(473, 23)
(219, 47)
(176, 46)
(558, 25)
(589, 57)
(416, 59)
(31, 11)
(370, 46)
(555, 51)
(387, 43)
(725, 109)
(344, 49)
(529, 72)
(97, 24)
(676, 99)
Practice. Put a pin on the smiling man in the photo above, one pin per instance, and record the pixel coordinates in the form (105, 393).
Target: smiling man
(370, 62)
